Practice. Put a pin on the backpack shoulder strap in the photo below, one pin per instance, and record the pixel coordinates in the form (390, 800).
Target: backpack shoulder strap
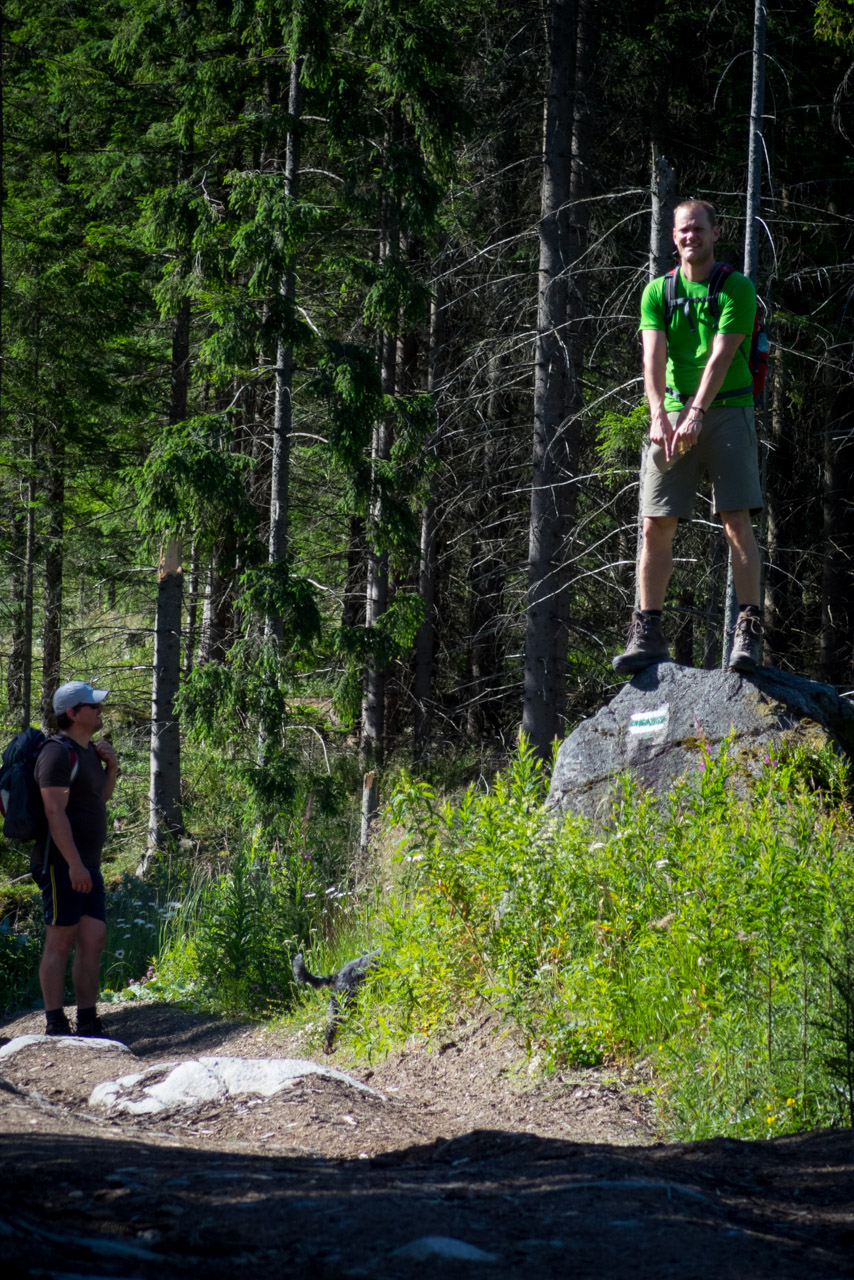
(670, 295)
(722, 271)
(72, 754)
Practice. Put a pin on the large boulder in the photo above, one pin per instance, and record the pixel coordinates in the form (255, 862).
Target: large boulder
(658, 725)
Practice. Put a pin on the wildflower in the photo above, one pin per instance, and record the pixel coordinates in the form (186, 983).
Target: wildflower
(770, 1119)
(139, 920)
(790, 1102)
(121, 955)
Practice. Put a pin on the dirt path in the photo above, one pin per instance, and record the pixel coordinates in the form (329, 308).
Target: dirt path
(517, 1177)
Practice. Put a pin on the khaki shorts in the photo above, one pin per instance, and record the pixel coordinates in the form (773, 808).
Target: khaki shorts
(726, 451)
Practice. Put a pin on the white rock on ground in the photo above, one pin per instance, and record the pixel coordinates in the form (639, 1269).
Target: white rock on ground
(190, 1084)
(86, 1043)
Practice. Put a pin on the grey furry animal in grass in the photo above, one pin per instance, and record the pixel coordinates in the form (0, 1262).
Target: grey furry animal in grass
(345, 984)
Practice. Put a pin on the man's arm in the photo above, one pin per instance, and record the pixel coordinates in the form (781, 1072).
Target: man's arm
(655, 384)
(107, 753)
(690, 422)
(55, 800)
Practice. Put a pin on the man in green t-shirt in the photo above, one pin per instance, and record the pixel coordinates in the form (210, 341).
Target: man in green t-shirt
(700, 391)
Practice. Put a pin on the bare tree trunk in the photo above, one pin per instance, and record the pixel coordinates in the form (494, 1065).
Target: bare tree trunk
(662, 202)
(54, 551)
(15, 670)
(192, 610)
(425, 639)
(353, 606)
(376, 598)
(277, 549)
(556, 400)
(661, 223)
(377, 595)
(217, 616)
(29, 577)
(755, 159)
(165, 822)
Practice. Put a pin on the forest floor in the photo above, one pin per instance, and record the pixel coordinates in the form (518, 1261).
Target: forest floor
(464, 1152)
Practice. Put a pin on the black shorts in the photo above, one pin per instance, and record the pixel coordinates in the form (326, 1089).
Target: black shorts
(63, 905)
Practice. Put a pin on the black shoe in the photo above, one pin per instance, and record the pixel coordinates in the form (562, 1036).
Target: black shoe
(91, 1027)
(59, 1026)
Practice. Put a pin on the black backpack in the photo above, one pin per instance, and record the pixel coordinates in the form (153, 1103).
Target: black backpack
(759, 344)
(20, 798)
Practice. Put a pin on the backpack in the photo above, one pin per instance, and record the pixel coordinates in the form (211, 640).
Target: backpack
(759, 344)
(20, 799)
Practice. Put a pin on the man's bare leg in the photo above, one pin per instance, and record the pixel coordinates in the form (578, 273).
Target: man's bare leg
(59, 940)
(86, 969)
(656, 560)
(738, 530)
(646, 644)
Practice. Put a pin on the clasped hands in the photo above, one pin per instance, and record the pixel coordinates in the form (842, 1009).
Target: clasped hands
(679, 439)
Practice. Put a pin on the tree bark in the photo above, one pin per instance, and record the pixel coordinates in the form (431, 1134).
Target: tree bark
(165, 821)
(755, 159)
(15, 669)
(192, 610)
(556, 401)
(54, 552)
(29, 584)
(277, 549)
(164, 795)
(377, 594)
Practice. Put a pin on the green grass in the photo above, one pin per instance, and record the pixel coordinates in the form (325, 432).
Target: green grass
(702, 931)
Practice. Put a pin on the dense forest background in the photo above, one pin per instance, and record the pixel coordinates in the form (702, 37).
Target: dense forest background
(322, 405)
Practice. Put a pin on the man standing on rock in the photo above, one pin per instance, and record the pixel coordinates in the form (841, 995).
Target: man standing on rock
(76, 778)
(699, 386)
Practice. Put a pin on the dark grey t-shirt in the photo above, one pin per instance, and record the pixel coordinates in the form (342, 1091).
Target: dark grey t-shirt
(86, 809)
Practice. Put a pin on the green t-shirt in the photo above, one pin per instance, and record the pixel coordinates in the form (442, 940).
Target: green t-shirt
(688, 350)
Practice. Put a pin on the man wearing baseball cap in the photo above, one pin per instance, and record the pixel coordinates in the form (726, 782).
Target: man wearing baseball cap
(76, 778)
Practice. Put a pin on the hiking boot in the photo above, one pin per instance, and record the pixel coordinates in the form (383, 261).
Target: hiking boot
(646, 645)
(746, 643)
(59, 1026)
(91, 1027)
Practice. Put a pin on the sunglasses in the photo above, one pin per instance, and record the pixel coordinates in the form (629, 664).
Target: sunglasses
(93, 706)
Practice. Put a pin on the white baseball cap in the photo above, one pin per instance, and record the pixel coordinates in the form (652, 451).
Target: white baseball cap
(74, 692)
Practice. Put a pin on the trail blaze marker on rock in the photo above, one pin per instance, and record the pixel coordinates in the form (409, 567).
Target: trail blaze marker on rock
(645, 723)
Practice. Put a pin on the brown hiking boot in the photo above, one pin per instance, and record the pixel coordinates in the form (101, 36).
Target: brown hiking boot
(746, 643)
(646, 645)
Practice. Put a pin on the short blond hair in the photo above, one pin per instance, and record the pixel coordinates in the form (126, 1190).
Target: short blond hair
(711, 211)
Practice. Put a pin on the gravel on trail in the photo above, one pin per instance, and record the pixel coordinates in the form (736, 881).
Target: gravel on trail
(460, 1160)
